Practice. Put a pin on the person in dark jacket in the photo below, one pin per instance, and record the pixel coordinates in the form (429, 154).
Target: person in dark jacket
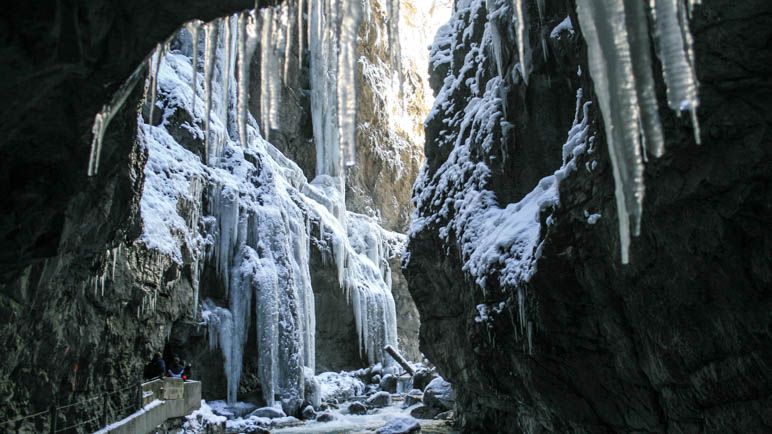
(175, 369)
(156, 368)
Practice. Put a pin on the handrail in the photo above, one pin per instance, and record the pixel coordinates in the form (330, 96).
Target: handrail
(53, 412)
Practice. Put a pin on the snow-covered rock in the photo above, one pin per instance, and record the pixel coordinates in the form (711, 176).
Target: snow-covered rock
(379, 399)
(400, 425)
(268, 412)
(439, 394)
(339, 386)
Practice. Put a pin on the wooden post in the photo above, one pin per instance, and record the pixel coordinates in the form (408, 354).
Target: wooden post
(139, 394)
(399, 359)
(53, 418)
(103, 422)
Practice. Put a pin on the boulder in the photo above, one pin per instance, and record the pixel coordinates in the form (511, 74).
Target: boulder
(440, 395)
(268, 412)
(422, 378)
(389, 383)
(378, 400)
(291, 406)
(286, 422)
(400, 425)
(357, 408)
(308, 413)
(424, 412)
(325, 417)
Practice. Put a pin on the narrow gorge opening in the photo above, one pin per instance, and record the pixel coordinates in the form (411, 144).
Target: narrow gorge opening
(287, 235)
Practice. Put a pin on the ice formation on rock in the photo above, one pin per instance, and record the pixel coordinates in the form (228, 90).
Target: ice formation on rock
(617, 36)
(260, 214)
(617, 33)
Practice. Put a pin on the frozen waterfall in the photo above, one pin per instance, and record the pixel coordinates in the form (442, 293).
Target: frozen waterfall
(248, 211)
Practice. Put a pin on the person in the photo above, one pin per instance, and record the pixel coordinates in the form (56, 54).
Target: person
(175, 369)
(186, 373)
(156, 368)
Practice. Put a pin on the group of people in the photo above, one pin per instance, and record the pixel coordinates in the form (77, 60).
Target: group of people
(158, 368)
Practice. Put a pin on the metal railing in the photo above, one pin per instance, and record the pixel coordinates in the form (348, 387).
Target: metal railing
(55, 420)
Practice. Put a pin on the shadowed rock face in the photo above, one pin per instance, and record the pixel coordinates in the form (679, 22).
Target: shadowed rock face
(677, 341)
(61, 62)
(62, 337)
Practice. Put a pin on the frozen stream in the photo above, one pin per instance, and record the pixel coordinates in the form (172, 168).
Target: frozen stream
(368, 423)
(346, 405)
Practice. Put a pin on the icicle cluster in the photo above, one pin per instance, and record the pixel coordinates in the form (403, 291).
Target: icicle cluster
(332, 35)
(617, 36)
(257, 228)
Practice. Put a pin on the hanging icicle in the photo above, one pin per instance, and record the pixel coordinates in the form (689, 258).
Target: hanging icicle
(247, 35)
(193, 27)
(521, 29)
(617, 36)
(227, 69)
(210, 31)
(158, 54)
(675, 51)
(346, 80)
(103, 118)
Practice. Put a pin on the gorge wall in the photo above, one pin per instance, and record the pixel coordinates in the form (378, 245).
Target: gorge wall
(541, 327)
(83, 302)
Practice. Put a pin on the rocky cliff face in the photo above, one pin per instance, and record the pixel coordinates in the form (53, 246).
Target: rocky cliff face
(677, 341)
(72, 322)
(82, 303)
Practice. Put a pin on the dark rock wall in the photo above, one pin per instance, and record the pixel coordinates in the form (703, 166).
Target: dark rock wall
(677, 341)
(63, 339)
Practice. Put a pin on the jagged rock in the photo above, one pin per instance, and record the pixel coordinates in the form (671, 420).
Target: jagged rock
(268, 412)
(440, 395)
(424, 412)
(379, 399)
(389, 383)
(308, 413)
(400, 425)
(357, 408)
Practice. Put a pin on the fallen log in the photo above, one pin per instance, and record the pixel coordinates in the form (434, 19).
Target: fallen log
(399, 359)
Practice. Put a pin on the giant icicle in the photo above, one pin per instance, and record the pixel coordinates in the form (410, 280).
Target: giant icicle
(617, 36)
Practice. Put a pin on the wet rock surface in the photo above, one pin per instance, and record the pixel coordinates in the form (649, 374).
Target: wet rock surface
(677, 341)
